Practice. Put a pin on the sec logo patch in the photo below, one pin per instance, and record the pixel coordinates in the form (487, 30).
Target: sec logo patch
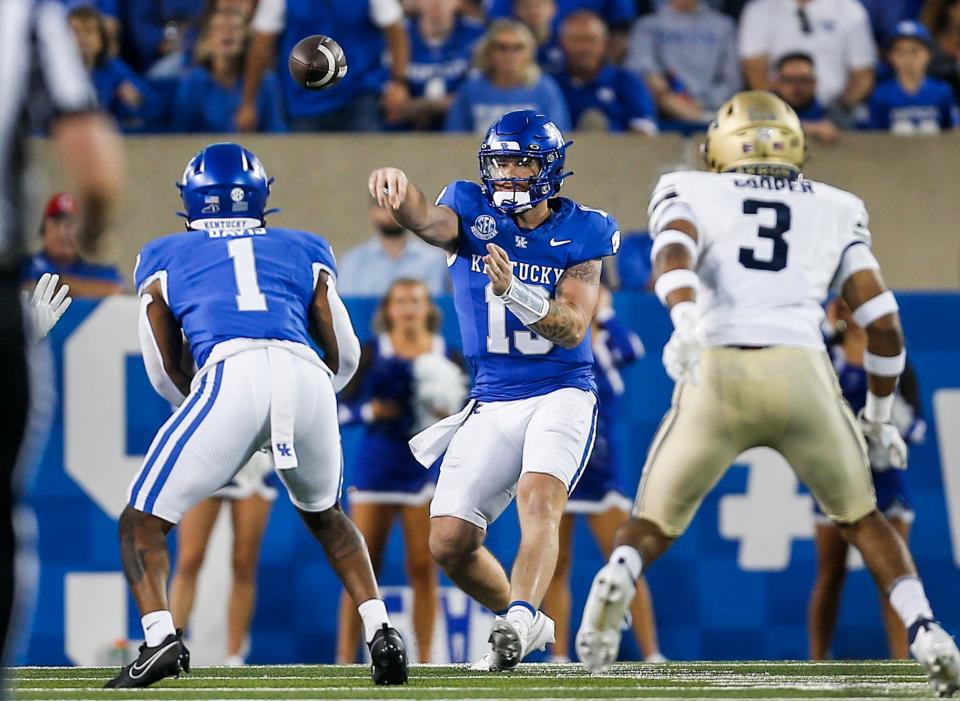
(484, 227)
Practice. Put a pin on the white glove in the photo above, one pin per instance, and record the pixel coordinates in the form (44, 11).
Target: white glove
(681, 355)
(886, 449)
(45, 309)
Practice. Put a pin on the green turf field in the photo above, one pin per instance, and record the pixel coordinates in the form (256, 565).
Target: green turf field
(700, 680)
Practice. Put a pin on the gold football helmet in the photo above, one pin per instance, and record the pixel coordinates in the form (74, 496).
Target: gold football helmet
(755, 132)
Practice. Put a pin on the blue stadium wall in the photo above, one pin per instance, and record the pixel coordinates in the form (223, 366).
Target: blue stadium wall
(735, 587)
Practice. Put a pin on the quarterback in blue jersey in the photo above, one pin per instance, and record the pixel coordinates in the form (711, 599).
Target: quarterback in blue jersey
(248, 299)
(525, 266)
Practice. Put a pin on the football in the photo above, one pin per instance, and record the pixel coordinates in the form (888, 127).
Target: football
(317, 62)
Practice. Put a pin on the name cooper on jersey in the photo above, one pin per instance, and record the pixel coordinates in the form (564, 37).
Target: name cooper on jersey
(525, 272)
(772, 182)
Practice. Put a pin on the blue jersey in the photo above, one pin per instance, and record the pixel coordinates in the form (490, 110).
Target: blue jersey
(616, 346)
(437, 68)
(479, 103)
(928, 111)
(38, 264)
(384, 462)
(362, 41)
(224, 284)
(619, 95)
(509, 361)
(205, 105)
(617, 13)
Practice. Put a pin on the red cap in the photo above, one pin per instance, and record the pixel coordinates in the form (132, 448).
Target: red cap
(61, 204)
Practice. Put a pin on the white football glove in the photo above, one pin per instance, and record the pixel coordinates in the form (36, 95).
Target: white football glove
(886, 448)
(681, 355)
(45, 309)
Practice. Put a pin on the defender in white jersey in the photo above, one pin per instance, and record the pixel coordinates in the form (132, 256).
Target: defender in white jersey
(743, 257)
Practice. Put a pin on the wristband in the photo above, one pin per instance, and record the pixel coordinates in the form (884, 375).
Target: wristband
(682, 313)
(875, 307)
(883, 365)
(526, 303)
(669, 237)
(673, 280)
(878, 409)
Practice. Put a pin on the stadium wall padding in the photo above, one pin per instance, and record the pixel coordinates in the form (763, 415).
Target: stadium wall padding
(908, 184)
(735, 587)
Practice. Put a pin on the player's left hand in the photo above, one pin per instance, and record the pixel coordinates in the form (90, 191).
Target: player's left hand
(886, 448)
(46, 309)
(681, 355)
(498, 268)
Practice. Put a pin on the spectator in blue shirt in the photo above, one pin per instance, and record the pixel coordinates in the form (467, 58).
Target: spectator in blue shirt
(795, 82)
(208, 96)
(153, 29)
(364, 28)
(618, 14)
(120, 91)
(441, 45)
(910, 102)
(59, 255)
(600, 96)
(540, 16)
(886, 14)
(509, 79)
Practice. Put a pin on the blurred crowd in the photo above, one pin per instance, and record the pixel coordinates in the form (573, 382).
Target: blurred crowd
(643, 66)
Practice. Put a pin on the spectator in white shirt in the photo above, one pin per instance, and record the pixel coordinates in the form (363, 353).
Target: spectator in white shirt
(835, 33)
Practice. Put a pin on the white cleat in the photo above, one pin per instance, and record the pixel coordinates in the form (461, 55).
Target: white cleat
(543, 632)
(936, 650)
(605, 616)
(508, 647)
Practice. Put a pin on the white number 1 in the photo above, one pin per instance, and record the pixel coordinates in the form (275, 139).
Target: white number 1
(526, 342)
(249, 296)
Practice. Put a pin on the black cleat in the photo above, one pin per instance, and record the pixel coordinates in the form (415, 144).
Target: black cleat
(388, 656)
(167, 659)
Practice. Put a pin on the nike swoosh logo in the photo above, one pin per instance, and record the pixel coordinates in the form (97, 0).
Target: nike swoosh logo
(137, 672)
(554, 242)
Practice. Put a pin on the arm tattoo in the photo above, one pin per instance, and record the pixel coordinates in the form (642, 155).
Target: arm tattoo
(564, 323)
(588, 272)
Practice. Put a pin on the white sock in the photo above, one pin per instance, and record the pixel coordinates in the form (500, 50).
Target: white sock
(909, 600)
(157, 625)
(521, 615)
(374, 615)
(629, 557)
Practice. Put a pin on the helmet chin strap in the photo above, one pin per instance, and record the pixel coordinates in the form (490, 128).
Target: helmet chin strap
(520, 200)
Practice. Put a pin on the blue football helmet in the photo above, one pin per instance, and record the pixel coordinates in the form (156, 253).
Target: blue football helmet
(224, 181)
(528, 138)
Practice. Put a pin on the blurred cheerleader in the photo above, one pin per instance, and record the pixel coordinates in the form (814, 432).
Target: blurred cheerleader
(250, 494)
(598, 495)
(407, 379)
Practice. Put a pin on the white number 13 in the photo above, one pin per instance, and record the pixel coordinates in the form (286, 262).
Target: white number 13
(249, 296)
(526, 342)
